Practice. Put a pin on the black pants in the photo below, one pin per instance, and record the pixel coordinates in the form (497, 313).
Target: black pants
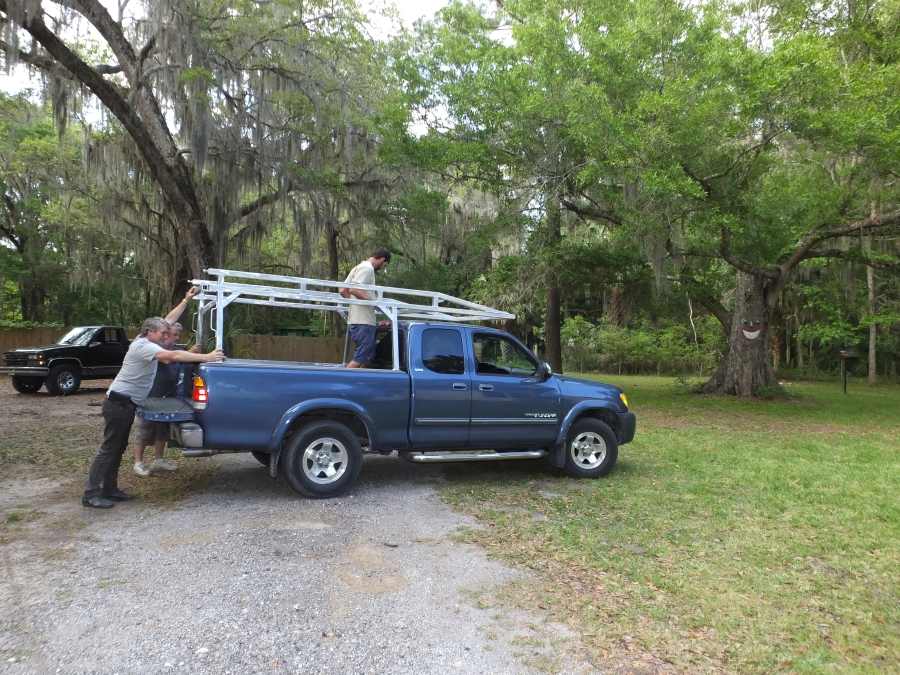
(103, 477)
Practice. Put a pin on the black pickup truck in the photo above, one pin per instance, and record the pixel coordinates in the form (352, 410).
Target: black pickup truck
(84, 353)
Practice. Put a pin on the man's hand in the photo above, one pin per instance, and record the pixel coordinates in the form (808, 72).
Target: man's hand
(215, 355)
(384, 324)
(345, 292)
(191, 292)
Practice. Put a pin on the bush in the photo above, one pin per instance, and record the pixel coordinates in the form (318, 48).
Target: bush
(669, 349)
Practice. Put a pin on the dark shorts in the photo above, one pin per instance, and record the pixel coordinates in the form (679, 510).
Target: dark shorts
(150, 432)
(363, 337)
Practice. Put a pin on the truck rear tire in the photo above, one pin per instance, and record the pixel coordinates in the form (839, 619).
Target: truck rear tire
(63, 380)
(591, 449)
(27, 384)
(322, 460)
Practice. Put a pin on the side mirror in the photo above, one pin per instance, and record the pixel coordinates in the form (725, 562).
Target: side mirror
(544, 371)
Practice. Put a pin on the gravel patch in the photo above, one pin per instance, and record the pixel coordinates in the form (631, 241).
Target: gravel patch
(245, 576)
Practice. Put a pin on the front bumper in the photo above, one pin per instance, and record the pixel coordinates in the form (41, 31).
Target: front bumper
(627, 425)
(30, 371)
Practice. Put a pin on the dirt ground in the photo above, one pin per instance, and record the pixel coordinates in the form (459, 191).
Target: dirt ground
(219, 569)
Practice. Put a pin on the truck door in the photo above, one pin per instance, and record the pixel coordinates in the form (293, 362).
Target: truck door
(106, 352)
(512, 407)
(441, 389)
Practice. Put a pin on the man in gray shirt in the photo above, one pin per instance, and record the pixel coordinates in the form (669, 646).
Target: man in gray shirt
(129, 390)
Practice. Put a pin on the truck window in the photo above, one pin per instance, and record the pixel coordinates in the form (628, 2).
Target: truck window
(498, 355)
(442, 351)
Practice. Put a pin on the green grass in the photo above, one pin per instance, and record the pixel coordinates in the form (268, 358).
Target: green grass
(748, 536)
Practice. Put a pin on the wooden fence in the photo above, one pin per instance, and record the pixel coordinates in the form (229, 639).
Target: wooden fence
(273, 347)
(287, 348)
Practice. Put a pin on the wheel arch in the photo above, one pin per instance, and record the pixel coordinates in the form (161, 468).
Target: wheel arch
(348, 413)
(599, 410)
(65, 360)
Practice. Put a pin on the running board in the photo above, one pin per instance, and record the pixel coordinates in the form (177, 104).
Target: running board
(482, 456)
(205, 452)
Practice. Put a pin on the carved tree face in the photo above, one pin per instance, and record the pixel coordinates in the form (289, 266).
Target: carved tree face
(752, 329)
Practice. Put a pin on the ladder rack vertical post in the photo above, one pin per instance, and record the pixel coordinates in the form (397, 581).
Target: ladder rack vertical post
(395, 336)
(198, 336)
(346, 344)
(220, 314)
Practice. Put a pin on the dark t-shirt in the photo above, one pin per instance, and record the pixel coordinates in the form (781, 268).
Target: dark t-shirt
(166, 381)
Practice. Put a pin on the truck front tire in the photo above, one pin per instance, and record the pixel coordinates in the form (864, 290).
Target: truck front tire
(63, 380)
(27, 384)
(322, 460)
(591, 449)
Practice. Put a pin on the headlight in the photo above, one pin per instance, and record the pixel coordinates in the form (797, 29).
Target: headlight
(624, 399)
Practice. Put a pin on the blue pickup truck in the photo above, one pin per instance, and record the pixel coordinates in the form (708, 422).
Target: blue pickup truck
(462, 393)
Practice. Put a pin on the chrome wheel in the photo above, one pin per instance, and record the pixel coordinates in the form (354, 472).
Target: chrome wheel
(66, 381)
(588, 450)
(325, 460)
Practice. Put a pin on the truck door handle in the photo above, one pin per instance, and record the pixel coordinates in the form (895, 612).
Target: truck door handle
(485, 387)
(459, 386)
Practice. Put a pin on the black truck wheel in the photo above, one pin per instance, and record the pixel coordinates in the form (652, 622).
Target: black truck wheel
(261, 457)
(591, 449)
(322, 460)
(63, 380)
(27, 384)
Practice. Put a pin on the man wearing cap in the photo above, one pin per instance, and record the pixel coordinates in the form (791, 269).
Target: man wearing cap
(129, 390)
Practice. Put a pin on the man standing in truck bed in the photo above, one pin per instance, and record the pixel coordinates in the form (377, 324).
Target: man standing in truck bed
(129, 390)
(363, 326)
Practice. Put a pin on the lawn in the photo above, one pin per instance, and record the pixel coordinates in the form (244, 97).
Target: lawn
(744, 536)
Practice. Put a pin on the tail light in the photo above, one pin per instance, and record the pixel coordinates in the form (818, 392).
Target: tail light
(200, 395)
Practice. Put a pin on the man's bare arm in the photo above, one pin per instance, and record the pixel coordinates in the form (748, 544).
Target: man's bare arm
(178, 356)
(178, 309)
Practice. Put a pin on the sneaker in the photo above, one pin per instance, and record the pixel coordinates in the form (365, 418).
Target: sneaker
(163, 465)
(141, 469)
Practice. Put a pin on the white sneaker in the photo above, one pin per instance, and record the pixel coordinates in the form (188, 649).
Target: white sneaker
(163, 465)
(141, 469)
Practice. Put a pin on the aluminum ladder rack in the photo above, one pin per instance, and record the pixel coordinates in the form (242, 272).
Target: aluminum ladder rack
(274, 290)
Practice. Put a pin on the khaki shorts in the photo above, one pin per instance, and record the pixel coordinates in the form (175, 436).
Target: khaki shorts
(150, 432)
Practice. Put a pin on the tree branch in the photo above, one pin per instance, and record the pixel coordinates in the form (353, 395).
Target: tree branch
(744, 266)
(586, 211)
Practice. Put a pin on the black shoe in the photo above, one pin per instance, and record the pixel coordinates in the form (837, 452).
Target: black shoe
(97, 502)
(118, 496)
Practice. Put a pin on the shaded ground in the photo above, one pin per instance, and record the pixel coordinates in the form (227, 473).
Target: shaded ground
(220, 569)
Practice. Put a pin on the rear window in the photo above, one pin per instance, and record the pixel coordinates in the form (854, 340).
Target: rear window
(442, 351)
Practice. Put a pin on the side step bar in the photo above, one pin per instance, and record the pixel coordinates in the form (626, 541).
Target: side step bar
(476, 456)
(205, 452)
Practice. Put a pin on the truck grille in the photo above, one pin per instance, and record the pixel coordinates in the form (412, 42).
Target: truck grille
(16, 359)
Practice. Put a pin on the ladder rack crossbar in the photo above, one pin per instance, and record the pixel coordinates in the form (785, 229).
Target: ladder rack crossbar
(331, 301)
(303, 283)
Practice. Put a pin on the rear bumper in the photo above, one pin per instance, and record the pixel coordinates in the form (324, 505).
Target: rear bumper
(31, 371)
(189, 435)
(627, 425)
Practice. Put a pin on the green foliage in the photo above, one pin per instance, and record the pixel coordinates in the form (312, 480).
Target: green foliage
(645, 349)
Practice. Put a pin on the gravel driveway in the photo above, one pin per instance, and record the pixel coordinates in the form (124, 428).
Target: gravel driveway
(244, 576)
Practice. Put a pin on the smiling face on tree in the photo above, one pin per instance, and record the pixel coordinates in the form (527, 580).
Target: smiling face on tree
(752, 329)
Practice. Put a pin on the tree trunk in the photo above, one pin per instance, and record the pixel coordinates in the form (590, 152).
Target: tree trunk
(552, 323)
(746, 369)
(873, 327)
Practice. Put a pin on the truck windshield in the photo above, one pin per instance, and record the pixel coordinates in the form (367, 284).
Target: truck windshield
(77, 336)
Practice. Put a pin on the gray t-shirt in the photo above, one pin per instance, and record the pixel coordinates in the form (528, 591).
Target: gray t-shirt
(138, 370)
(363, 273)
